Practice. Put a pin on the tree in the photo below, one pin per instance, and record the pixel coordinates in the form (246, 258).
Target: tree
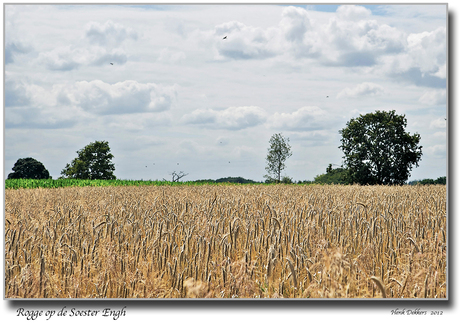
(441, 180)
(378, 150)
(287, 180)
(29, 168)
(332, 176)
(177, 176)
(93, 162)
(278, 152)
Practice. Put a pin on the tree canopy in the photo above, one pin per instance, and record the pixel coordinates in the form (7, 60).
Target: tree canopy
(332, 176)
(93, 162)
(278, 152)
(29, 168)
(378, 150)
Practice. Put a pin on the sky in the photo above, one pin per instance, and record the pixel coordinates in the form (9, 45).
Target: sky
(52, 54)
(180, 97)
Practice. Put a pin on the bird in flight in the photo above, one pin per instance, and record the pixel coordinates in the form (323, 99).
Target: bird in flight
(111, 63)
(225, 37)
(327, 96)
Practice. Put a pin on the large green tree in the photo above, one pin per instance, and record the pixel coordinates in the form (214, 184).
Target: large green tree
(93, 162)
(378, 150)
(29, 168)
(278, 152)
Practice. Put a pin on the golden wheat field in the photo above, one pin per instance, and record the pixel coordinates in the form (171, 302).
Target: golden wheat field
(226, 241)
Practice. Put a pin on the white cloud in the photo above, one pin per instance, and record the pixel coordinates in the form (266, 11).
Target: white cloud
(440, 134)
(352, 37)
(433, 97)
(302, 37)
(233, 118)
(200, 116)
(437, 151)
(241, 117)
(384, 39)
(191, 146)
(137, 122)
(242, 42)
(109, 33)
(23, 93)
(70, 57)
(31, 105)
(439, 123)
(63, 58)
(100, 56)
(442, 71)
(123, 97)
(221, 141)
(243, 152)
(305, 118)
(363, 89)
(295, 23)
(353, 13)
(171, 56)
(358, 41)
(101, 45)
(40, 118)
(16, 93)
(423, 60)
(428, 50)
(312, 138)
(14, 49)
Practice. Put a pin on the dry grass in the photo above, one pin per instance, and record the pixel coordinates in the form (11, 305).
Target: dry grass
(241, 241)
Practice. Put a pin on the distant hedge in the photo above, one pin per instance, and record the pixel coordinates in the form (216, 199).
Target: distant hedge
(440, 180)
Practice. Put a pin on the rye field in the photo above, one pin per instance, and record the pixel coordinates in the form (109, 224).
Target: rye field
(226, 241)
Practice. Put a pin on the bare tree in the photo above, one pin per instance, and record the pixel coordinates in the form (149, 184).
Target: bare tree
(177, 176)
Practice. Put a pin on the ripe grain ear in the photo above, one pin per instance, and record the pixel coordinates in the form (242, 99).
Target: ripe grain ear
(293, 271)
(414, 244)
(379, 284)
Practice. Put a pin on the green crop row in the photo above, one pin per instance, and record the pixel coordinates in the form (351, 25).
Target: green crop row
(55, 183)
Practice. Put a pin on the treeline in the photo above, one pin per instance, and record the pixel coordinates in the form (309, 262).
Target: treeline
(427, 181)
(238, 180)
(340, 176)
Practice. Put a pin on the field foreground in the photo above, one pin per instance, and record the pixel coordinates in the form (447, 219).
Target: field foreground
(232, 241)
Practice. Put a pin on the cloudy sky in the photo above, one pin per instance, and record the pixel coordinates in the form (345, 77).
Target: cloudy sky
(179, 97)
